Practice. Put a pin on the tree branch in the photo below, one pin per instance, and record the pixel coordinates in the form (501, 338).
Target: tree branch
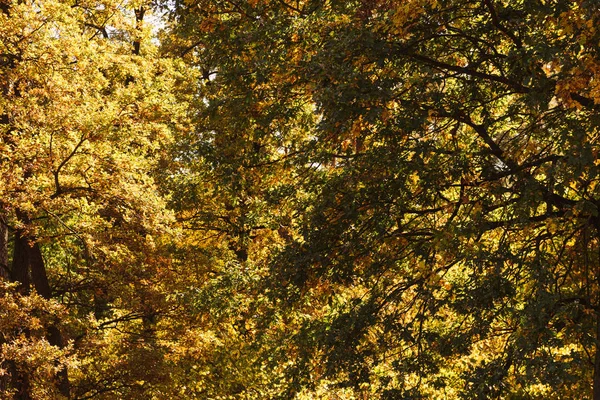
(519, 88)
(500, 27)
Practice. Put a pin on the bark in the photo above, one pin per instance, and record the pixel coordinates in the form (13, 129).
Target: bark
(19, 271)
(596, 380)
(20, 383)
(4, 271)
(139, 17)
(596, 395)
(39, 279)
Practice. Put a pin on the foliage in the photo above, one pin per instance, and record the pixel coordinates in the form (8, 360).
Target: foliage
(300, 199)
(444, 213)
(85, 122)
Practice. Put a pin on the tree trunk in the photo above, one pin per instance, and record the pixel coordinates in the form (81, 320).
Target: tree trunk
(29, 270)
(597, 361)
(596, 380)
(4, 271)
(19, 271)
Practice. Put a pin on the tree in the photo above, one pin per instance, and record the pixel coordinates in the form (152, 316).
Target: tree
(235, 192)
(447, 238)
(299, 199)
(86, 113)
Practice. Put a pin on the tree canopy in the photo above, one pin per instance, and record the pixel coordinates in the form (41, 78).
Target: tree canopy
(298, 199)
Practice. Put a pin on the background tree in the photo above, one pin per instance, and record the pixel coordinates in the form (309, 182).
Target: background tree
(237, 189)
(86, 113)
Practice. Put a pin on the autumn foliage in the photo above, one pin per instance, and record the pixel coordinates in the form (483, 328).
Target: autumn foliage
(299, 199)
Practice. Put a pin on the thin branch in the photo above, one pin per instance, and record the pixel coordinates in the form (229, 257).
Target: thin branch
(501, 27)
(101, 29)
(291, 7)
(63, 163)
(519, 88)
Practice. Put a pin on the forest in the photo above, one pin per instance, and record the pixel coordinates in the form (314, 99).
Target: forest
(299, 199)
